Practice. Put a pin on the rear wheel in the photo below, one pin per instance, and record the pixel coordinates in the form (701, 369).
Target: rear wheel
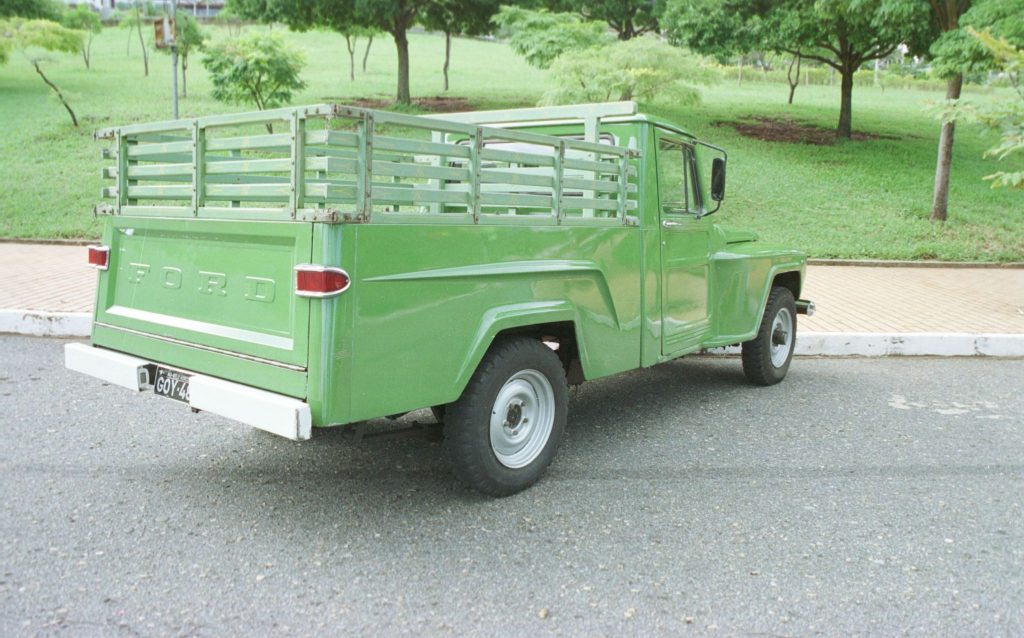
(504, 430)
(767, 356)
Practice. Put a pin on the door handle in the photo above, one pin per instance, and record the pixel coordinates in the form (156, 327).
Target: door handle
(670, 224)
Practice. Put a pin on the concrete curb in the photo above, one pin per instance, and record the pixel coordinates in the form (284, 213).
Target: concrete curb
(917, 263)
(40, 323)
(906, 344)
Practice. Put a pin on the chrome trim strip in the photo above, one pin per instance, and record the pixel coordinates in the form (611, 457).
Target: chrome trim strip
(197, 346)
(203, 327)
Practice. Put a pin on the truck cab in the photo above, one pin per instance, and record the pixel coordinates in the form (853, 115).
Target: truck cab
(365, 263)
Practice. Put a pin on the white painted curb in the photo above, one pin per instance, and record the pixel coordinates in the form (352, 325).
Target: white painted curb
(41, 323)
(905, 344)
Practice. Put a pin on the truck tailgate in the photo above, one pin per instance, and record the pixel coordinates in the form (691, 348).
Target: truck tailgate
(218, 285)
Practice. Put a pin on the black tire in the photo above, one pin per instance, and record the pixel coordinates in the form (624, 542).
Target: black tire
(757, 353)
(438, 412)
(468, 421)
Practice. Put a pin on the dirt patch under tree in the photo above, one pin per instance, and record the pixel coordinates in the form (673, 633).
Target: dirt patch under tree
(770, 129)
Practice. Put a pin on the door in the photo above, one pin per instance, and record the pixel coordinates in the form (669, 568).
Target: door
(684, 247)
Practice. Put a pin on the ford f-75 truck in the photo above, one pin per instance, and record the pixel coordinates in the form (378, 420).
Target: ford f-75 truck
(325, 265)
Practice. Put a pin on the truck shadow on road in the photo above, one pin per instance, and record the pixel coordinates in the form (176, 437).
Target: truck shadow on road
(607, 417)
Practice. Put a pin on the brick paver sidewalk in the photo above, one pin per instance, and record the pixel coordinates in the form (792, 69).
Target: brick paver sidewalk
(865, 299)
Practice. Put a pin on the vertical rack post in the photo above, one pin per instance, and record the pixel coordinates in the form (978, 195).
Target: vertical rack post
(122, 172)
(556, 192)
(296, 192)
(474, 173)
(364, 168)
(198, 167)
(623, 186)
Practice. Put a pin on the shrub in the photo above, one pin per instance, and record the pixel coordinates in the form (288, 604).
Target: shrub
(541, 36)
(645, 68)
(256, 69)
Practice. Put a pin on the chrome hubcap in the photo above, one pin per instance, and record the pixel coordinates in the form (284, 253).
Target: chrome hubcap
(522, 418)
(782, 337)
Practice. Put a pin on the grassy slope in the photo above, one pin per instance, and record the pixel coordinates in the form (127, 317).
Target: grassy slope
(860, 199)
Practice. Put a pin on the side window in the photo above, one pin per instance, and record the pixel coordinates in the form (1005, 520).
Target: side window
(676, 178)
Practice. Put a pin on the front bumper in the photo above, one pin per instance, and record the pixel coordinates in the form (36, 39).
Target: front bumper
(274, 413)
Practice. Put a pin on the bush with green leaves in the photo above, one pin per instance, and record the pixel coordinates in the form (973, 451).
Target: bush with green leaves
(258, 69)
(32, 9)
(542, 36)
(1004, 117)
(645, 68)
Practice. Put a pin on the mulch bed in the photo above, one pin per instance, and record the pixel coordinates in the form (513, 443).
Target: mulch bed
(770, 129)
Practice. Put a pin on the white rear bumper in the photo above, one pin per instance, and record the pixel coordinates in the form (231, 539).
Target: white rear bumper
(268, 411)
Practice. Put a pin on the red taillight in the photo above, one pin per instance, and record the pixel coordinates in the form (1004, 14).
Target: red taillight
(99, 257)
(320, 281)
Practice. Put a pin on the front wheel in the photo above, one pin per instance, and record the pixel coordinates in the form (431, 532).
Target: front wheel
(504, 430)
(766, 357)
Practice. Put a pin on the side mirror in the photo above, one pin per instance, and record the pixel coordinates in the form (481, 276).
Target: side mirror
(718, 179)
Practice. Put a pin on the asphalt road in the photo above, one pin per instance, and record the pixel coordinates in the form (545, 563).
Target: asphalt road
(872, 497)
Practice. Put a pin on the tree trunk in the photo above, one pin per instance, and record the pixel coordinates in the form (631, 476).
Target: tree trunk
(351, 46)
(74, 120)
(184, 76)
(402, 44)
(739, 76)
(845, 128)
(940, 196)
(366, 55)
(447, 56)
(87, 50)
(145, 54)
(793, 78)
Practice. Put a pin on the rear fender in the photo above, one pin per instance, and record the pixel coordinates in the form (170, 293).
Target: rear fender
(520, 315)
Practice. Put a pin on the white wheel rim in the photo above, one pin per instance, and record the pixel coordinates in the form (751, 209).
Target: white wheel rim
(781, 337)
(522, 418)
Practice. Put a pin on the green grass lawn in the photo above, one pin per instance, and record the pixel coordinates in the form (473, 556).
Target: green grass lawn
(857, 199)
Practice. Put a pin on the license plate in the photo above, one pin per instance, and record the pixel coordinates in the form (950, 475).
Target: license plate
(171, 384)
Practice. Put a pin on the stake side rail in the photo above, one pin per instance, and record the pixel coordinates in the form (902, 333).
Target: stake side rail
(333, 163)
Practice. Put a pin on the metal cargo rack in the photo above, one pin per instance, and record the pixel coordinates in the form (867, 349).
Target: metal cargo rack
(338, 163)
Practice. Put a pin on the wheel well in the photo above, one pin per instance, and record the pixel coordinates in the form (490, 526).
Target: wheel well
(789, 280)
(560, 336)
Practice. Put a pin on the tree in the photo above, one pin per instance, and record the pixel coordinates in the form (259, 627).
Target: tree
(302, 15)
(229, 17)
(628, 18)
(134, 19)
(189, 38)
(84, 19)
(955, 53)
(24, 35)
(706, 26)
(542, 36)
(644, 68)
(843, 34)
(395, 17)
(257, 69)
(458, 17)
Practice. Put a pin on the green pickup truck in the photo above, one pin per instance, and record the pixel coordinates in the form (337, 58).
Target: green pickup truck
(324, 265)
